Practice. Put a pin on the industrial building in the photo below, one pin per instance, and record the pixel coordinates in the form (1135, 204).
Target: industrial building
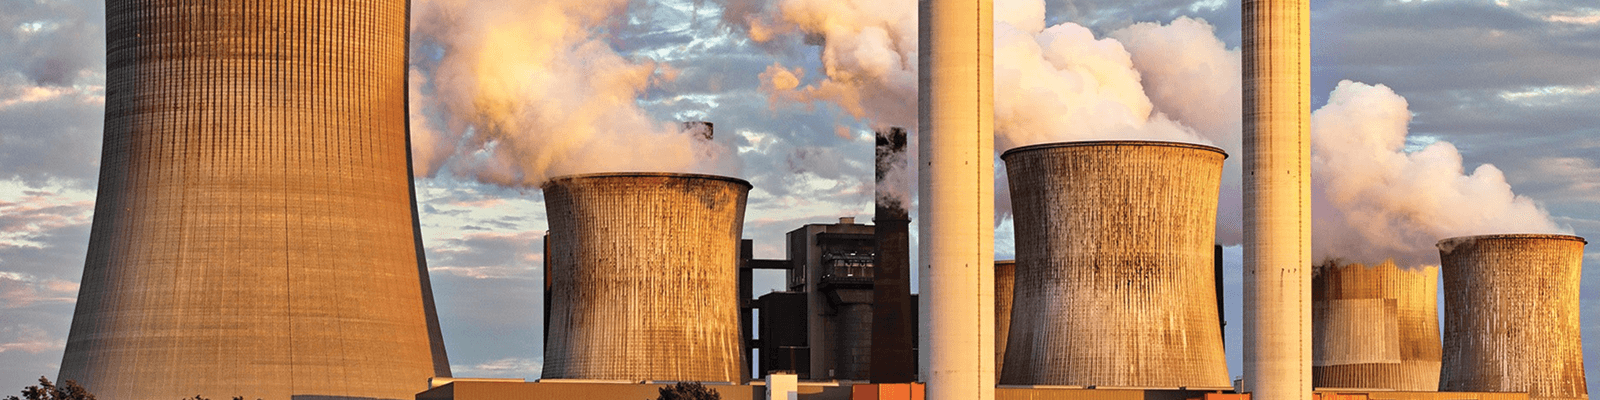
(645, 277)
(1376, 328)
(1114, 270)
(1512, 322)
(255, 230)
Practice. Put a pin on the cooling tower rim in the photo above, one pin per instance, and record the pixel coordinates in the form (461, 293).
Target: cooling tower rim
(682, 175)
(1098, 143)
(1452, 242)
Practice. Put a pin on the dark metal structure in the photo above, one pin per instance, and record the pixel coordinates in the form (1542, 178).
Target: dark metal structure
(893, 330)
(255, 231)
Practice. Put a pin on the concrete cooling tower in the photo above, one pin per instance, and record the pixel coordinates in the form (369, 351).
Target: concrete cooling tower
(1511, 315)
(644, 277)
(1114, 275)
(255, 231)
(1375, 327)
(1004, 279)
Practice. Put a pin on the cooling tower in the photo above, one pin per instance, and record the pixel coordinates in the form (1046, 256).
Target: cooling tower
(1004, 274)
(1511, 315)
(645, 279)
(1375, 327)
(255, 232)
(1114, 276)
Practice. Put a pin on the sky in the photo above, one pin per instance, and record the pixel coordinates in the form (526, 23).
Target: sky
(1458, 117)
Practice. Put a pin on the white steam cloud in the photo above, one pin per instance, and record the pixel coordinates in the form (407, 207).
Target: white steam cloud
(1376, 199)
(1147, 81)
(528, 90)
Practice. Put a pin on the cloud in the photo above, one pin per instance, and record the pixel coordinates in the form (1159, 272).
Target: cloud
(528, 90)
(501, 368)
(1381, 201)
(29, 339)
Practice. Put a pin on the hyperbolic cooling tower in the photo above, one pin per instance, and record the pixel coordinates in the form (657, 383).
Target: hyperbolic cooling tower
(1004, 280)
(1511, 315)
(645, 279)
(1114, 275)
(255, 232)
(1376, 327)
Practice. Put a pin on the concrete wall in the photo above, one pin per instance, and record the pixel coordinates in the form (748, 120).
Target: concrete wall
(645, 284)
(1114, 274)
(255, 230)
(1511, 315)
(1376, 327)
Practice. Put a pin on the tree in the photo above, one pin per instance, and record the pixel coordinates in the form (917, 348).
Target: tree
(68, 390)
(688, 391)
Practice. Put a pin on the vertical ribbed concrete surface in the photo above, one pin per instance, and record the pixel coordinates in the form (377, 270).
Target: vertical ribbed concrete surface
(255, 231)
(1004, 280)
(955, 186)
(1376, 327)
(1276, 36)
(1511, 315)
(645, 283)
(1114, 271)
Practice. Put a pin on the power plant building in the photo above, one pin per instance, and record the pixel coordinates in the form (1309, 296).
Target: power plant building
(255, 231)
(1511, 315)
(1376, 327)
(645, 277)
(1114, 270)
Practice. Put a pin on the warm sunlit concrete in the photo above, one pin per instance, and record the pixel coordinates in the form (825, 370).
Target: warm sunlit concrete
(956, 185)
(1277, 199)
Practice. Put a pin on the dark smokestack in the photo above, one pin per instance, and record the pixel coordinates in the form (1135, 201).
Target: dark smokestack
(893, 326)
(701, 129)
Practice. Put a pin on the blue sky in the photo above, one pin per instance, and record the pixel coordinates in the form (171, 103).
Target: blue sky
(1508, 83)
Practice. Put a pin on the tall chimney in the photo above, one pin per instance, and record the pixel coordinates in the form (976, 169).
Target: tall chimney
(893, 329)
(702, 129)
(955, 129)
(1277, 199)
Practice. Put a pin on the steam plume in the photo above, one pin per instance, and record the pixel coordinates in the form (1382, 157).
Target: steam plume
(1377, 200)
(1058, 83)
(528, 90)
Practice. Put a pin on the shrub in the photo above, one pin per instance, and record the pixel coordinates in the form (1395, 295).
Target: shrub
(688, 391)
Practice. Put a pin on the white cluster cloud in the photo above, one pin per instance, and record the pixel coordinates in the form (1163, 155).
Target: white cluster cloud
(1381, 201)
(528, 90)
(1147, 81)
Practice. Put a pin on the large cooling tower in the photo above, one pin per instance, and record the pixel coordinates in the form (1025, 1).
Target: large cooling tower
(1114, 275)
(644, 278)
(1511, 315)
(1375, 327)
(255, 232)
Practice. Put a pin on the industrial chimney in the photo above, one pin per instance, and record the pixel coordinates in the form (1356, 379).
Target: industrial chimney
(893, 328)
(1375, 327)
(645, 279)
(1114, 275)
(1511, 315)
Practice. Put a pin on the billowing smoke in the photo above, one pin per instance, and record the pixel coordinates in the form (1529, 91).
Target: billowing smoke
(1376, 198)
(1058, 83)
(528, 90)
